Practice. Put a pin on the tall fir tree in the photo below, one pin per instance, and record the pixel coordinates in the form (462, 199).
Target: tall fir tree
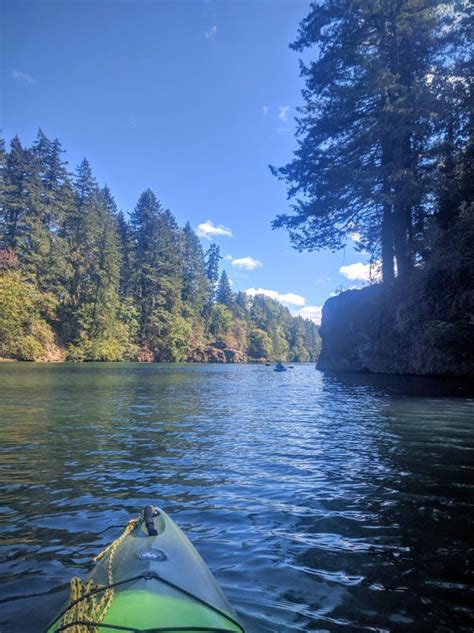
(213, 257)
(224, 291)
(195, 285)
(126, 260)
(364, 128)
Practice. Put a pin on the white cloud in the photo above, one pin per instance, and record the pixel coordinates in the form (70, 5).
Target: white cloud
(249, 263)
(283, 114)
(211, 34)
(208, 229)
(289, 298)
(229, 258)
(17, 74)
(265, 110)
(356, 272)
(313, 313)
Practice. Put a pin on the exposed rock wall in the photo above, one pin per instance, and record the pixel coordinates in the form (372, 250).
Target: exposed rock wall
(415, 329)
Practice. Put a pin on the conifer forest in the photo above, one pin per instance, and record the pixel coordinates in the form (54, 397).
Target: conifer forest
(80, 280)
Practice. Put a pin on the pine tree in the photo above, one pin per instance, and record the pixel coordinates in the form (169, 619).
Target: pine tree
(21, 198)
(213, 256)
(81, 223)
(3, 195)
(224, 291)
(48, 251)
(195, 286)
(364, 128)
(126, 259)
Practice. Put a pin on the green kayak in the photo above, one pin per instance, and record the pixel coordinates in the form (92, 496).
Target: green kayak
(149, 579)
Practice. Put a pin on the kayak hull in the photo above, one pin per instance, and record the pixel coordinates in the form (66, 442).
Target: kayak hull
(159, 581)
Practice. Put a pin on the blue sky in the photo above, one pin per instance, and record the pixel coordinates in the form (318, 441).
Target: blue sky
(193, 99)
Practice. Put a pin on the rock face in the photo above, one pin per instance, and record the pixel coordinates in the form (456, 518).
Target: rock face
(216, 353)
(398, 330)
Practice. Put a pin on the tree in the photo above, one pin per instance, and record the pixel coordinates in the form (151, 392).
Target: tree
(260, 345)
(224, 291)
(20, 198)
(157, 259)
(47, 253)
(24, 333)
(213, 256)
(220, 320)
(364, 129)
(195, 285)
(126, 260)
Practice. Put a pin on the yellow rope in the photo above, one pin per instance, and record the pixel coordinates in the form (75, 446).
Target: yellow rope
(94, 609)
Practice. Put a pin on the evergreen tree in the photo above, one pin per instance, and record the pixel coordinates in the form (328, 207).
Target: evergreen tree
(47, 257)
(224, 291)
(145, 227)
(195, 286)
(126, 260)
(364, 128)
(213, 256)
(3, 195)
(21, 198)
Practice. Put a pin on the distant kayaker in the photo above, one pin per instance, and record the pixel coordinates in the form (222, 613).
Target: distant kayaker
(280, 367)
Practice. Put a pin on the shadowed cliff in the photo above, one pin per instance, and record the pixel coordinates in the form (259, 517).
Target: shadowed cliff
(422, 325)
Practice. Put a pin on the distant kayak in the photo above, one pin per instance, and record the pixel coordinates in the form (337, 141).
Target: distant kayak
(279, 367)
(150, 579)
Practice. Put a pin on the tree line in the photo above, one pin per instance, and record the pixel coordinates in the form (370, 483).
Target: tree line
(385, 132)
(80, 280)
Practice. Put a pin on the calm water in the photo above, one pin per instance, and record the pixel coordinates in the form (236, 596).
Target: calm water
(321, 503)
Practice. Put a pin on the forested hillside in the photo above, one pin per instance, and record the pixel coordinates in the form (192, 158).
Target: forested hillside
(81, 281)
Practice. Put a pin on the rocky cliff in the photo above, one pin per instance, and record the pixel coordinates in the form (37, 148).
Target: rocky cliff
(422, 324)
(416, 329)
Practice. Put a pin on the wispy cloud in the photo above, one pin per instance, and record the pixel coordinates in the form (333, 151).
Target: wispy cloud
(313, 313)
(249, 263)
(283, 113)
(265, 110)
(211, 33)
(356, 272)
(208, 230)
(229, 258)
(288, 298)
(21, 76)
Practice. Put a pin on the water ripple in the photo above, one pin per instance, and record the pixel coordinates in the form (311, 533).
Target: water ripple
(321, 502)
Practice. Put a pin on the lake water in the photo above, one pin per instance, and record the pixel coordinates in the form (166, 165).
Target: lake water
(320, 502)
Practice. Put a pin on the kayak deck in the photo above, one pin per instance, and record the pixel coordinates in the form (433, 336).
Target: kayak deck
(156, 581)
(144, 610)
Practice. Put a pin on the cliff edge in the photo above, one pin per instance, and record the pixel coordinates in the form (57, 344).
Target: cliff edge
(423, 325)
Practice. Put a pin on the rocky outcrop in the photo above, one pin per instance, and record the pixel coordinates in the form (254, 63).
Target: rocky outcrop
(218, 352)
(411, 329)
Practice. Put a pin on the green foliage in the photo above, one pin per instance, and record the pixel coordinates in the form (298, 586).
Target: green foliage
(169, 336)
(113, 289)
(386, 115)
(24, 334)
(260, 345)
(220, 321)
(224, 292)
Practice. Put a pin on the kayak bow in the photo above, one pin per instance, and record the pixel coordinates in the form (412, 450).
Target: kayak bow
(150, 579)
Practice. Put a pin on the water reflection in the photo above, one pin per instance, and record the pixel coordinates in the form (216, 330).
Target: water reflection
(321, 502)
